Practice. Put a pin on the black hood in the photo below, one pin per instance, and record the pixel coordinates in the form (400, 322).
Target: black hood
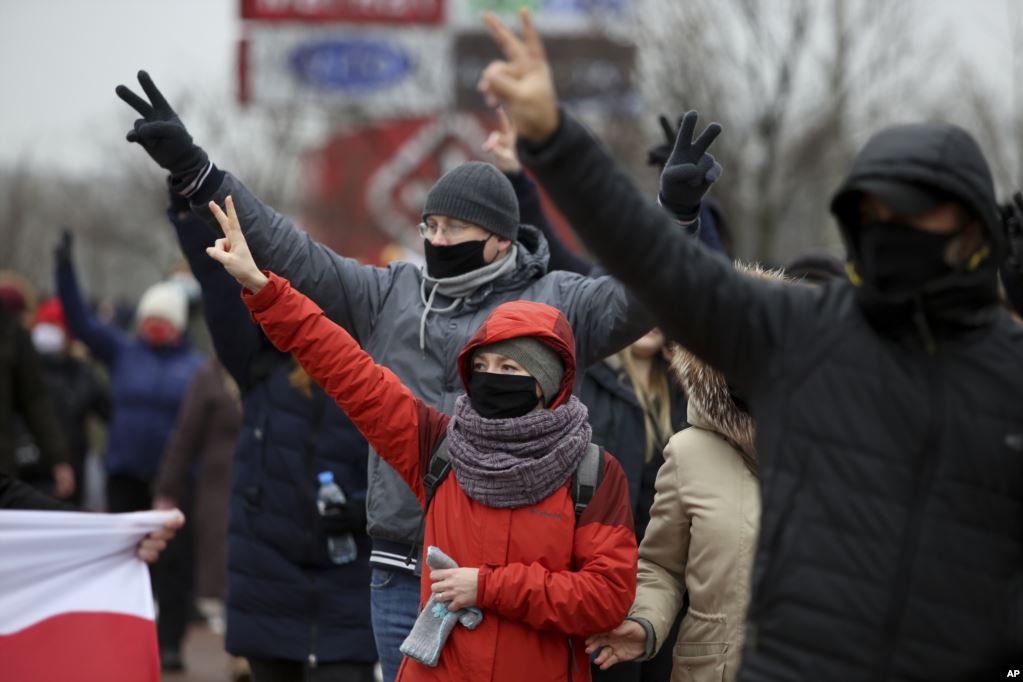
(938, 157)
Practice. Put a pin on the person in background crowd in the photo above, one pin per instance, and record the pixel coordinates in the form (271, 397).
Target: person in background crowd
(149, 375)
(700, 541)
(195, 475)
(410, 319)
(75, 387)
(24, 400)
(635, 408)
(537, 577)
(889, 425)
(196, 470)
(18, 295)
(292, 612)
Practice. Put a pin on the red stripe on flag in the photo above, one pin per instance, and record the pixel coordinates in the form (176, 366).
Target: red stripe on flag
(89, 647)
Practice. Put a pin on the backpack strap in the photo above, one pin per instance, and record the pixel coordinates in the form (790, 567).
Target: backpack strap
(586, 478)
(437, 469)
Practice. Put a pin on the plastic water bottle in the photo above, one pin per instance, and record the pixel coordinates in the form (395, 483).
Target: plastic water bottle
(330, 500)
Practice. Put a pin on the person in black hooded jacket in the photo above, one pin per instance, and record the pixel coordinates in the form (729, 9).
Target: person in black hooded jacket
(891, 430)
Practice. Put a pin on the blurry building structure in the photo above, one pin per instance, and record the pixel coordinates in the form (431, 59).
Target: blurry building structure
(399, 78)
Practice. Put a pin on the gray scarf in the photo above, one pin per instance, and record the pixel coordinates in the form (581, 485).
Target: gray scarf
(460, 286)
(517, 462)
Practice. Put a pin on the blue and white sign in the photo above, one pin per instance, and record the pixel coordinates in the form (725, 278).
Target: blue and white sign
(353, 65)
(382, 71)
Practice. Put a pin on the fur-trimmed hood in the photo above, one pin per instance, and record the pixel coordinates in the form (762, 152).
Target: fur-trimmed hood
(711, 405)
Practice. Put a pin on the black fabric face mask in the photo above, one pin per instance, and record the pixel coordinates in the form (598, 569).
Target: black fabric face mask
(900, 259)
(908, 285)
(502, 396)
(450, 261)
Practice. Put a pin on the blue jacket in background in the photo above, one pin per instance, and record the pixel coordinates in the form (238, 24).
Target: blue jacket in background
(147, 383)
(285, 598)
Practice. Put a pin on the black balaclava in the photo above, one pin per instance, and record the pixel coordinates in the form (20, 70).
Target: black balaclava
(902, 280)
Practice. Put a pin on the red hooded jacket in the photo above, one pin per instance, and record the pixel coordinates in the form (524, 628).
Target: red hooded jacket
(546, 582)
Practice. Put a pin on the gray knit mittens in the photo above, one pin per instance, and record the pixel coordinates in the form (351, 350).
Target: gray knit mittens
(435, 622)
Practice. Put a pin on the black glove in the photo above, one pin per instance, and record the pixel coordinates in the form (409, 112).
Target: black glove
(659, 154)
(690, 170)
(161, 133)
(62, 252)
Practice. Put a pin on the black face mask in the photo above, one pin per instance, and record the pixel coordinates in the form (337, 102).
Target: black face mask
(502, 396)
(908, 286)
(450, 261)
(900, 259)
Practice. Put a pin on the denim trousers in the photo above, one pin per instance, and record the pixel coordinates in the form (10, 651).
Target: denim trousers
(394, 601)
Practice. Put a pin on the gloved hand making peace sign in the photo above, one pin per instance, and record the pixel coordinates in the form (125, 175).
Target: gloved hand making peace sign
(690, 170)
(161, 133)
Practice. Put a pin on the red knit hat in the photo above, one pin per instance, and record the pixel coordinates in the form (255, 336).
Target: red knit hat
(51, 311)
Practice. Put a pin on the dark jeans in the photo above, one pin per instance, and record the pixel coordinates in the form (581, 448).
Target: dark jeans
(172, 574)
(394, 601)
(174, 582)
(127, 494)
(276, 670)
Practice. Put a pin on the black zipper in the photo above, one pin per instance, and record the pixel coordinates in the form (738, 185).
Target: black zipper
(923, 468)
(571, 659)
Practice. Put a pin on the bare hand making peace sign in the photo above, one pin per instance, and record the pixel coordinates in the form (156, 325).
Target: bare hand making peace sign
(232, 251)
(522, 82)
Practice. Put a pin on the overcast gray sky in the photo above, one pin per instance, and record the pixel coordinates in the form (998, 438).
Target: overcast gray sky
(61, 59)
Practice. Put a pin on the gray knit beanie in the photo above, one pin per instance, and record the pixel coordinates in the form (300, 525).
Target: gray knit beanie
(537, 358)
(477, 193)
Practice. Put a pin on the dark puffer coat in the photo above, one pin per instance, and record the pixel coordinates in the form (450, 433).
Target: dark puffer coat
(891, 544)
(285, 600)
(147, 383)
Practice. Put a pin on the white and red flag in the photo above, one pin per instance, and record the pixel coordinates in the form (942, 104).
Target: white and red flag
(75, 601)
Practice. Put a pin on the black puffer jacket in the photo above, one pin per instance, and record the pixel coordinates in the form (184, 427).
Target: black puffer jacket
(891, 545)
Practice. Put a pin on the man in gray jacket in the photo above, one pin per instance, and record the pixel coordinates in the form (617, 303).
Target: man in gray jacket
(412, 320)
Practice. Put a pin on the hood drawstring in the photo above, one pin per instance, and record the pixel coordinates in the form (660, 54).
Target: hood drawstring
(428, 302)
(460, 287)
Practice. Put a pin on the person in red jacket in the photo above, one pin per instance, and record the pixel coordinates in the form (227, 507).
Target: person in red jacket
(542, 579)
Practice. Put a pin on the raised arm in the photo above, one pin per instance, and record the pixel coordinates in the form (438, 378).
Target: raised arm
(597, 594)
(729, 320)
(104, 341)
(501, 145)
(236, 338)
(399, 426)
(350, 293)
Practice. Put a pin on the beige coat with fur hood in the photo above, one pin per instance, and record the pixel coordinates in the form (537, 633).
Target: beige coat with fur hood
(702, 532)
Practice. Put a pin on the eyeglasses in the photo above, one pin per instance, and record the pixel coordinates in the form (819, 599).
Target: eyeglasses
(452, 231)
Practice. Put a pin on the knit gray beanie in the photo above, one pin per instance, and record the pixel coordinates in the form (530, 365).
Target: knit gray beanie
(477, 193)
(537, 358)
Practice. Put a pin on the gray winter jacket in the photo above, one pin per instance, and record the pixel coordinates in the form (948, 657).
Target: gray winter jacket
(382, 309)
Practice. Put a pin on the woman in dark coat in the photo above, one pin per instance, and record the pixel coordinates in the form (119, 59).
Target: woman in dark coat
(196, 471)
(290, 610)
